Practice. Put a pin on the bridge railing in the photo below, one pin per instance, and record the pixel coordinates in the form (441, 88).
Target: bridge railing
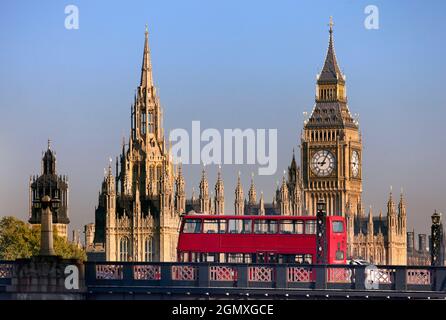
(206, 275)
(6, 271)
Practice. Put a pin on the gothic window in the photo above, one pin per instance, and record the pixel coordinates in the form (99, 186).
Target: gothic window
(152, 173)
(143, 123)
(149, 249)
(150, 121)
(124, 244)
(158, 173)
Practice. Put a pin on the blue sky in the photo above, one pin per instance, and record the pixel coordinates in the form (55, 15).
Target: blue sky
(229, 64)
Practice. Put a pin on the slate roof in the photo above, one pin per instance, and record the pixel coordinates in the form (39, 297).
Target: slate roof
(331, 114)
(331, 73)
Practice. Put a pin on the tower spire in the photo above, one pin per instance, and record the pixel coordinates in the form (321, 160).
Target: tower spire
(331, 94)
(239, 197)
(219, 199)
(146, 69)
(331, 73)
(252, 194)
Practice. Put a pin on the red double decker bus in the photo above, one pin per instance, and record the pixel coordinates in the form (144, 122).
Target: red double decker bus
(258, 239)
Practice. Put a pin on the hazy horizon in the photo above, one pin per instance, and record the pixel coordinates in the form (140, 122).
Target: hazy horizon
(212, 62)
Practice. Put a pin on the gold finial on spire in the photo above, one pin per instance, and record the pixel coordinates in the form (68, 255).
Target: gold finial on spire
(331, 24)
(147, 29)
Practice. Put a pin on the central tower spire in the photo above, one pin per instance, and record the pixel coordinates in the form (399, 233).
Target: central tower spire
(146, 68)
(146, 110)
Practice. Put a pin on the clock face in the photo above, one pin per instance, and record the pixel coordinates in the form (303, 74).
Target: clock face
(355, 163)
(323, 163)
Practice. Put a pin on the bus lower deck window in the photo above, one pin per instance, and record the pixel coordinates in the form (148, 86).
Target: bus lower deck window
(195, 257)
(308, 259)
(209, 257)
(235, 257)
(184, 257)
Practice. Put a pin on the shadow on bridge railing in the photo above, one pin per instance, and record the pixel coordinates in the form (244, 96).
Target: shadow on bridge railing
(283, 276)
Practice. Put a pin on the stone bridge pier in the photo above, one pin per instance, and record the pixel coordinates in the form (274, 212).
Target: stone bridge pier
(47, 278)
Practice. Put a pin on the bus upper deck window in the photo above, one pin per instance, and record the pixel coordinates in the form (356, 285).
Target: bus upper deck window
(310, 227)
(247, 226)
(235, 226)
(210, 226)
(299, 227)
(272, 226)
(222, 226)
(192, 226)
(338, 226)
(286, 227)
(259, 226)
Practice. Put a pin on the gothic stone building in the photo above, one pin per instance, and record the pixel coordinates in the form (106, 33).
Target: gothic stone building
(286, 201)
(138, 213)
(50, 184)
(137, 217)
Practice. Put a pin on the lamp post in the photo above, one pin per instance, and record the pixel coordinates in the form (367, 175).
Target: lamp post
(46, 233)
(436, 240)
(321, 235)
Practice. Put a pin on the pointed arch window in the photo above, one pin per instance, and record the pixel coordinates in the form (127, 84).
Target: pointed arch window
(152, 173)
(143, 123)
(124, 249)
(149, 249)
(150, 121)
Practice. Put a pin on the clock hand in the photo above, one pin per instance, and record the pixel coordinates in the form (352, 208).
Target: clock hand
(325, 157)
(323, 161)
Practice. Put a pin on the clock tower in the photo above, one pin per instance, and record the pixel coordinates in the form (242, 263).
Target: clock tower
(331, 147)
